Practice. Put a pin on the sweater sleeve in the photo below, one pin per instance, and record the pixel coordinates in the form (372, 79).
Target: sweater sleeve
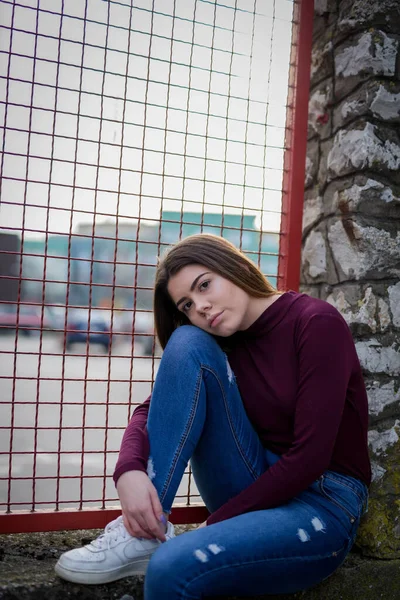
(135, 449)
(326, 355)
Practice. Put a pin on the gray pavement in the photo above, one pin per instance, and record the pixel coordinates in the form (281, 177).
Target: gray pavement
(47, 397)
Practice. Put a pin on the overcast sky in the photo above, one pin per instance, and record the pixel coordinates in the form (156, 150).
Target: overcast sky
(164, 104)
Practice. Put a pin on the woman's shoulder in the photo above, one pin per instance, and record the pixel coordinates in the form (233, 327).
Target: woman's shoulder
(310, 309)
(309, 305)
(306, 305)
(318, 317)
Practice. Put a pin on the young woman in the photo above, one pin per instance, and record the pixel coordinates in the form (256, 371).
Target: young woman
(263, 392)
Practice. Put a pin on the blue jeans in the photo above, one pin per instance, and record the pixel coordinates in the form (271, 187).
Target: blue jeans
(197, 414)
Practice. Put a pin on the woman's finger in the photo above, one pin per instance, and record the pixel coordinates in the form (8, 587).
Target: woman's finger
(134, 528)
(141, 518)
(154, 525)
(155, 501)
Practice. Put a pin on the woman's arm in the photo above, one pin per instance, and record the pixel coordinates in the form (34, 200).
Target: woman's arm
(140, 505)
(134, 451)
(141, 508)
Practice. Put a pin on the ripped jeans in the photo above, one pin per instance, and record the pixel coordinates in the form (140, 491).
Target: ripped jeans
(196, 413)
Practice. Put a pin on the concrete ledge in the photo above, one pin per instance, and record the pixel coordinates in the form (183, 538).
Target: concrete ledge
(27, 561)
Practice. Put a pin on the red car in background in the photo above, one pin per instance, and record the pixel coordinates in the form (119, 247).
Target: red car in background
(28, 318)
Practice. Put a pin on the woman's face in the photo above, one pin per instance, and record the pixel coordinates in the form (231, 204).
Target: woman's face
(210, 301)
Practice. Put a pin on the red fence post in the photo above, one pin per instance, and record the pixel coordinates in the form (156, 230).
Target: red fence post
(296, 144)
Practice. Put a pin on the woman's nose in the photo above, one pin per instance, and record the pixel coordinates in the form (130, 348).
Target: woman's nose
(204, 306)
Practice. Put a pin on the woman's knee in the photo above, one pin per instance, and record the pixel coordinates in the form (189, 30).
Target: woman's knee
(188, 337)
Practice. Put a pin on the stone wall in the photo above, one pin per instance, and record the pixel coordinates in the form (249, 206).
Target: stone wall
(351, 224)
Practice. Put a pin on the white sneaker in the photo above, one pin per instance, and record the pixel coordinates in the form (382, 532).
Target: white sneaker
(113, 555)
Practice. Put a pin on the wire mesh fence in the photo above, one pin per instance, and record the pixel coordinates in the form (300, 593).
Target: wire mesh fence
(125, 126)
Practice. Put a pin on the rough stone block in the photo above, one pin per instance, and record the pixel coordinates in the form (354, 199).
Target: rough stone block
(319, 111)
(312, 209)
(366, 309)
(361, 194)
(364, 313)
(314, 255)
(353, 292)
(383, 399)
(312, 162)
(325, 15)
(384, 317)
(317, 265)
(322, 59)
(312, 291)
(377, 99)
(394, 301)
(376, 358)
(371, 53)
(325, 151)
(368, 147)
(379, 441)
(359, 14)
(362, 252)
(322, 7)
(386, 103)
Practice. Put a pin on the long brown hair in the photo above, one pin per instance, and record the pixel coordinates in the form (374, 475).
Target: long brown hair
(218, 255)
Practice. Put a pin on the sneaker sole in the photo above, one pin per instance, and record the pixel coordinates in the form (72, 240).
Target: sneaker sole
(138, 567)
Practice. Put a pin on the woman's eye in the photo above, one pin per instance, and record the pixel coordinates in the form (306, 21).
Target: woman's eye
(186, 306)
(204, 285)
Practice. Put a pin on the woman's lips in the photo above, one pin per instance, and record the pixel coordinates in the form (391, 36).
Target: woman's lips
(215, 320)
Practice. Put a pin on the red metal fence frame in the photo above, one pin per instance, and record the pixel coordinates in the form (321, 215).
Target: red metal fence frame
(296, 144)
(288, 266)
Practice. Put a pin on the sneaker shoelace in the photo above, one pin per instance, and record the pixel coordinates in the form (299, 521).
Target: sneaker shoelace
(112, 532)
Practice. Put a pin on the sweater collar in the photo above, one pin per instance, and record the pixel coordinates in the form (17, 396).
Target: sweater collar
(271, 316)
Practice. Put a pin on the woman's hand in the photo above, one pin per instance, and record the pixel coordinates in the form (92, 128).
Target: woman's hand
(141, 508)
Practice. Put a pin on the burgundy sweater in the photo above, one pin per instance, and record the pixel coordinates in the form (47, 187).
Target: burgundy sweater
(301, 384)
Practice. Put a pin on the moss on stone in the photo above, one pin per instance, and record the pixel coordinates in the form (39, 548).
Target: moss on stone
(378, 535)
(372, 535)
